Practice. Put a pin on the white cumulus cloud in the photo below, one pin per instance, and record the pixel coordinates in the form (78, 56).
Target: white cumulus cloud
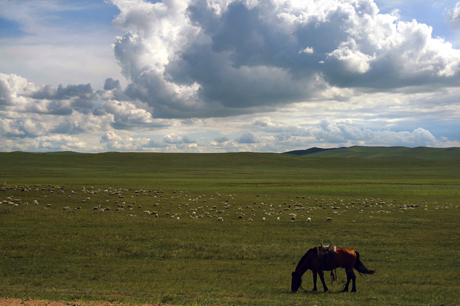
(453, 14)
(235, 75)
(221, 58)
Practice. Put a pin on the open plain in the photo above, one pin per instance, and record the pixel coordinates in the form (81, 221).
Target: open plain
(228, 229)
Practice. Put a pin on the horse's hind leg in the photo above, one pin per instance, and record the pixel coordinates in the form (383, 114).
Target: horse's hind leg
(353, 277)
(345, 289)
(350, 276)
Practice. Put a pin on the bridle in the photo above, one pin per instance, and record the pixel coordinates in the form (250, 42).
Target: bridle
(300, 286)
(332, 281)
(299, 280)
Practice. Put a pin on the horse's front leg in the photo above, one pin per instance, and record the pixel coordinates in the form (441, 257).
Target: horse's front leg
(315, 277)
(321, 277)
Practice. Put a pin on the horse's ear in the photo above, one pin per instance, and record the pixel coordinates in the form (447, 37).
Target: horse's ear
(329, 246)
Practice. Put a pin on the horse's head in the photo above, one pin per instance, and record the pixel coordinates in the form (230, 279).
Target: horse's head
(296, 281)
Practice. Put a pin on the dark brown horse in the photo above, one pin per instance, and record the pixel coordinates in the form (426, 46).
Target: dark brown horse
(343, 258)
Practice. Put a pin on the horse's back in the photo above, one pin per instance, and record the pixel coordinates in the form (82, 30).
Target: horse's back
(345, 257)
(347, 251)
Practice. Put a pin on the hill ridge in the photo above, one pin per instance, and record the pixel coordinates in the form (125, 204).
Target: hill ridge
(381, 152)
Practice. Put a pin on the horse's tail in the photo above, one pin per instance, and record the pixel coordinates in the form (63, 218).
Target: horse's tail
(359, 266)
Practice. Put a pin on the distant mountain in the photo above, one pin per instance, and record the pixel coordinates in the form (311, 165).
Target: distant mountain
(307, 151)
(395, 153)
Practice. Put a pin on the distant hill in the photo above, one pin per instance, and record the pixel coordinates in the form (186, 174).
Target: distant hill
(397, 153)
(307, 151)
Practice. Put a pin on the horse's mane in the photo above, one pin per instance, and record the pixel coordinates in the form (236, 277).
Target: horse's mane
(304, 257)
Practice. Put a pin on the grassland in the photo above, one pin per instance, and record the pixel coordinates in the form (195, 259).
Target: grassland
(401, 213)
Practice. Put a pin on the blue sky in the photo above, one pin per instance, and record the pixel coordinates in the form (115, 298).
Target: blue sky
(228, 76)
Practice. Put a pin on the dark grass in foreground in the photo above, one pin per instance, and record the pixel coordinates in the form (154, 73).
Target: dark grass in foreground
(402, 217)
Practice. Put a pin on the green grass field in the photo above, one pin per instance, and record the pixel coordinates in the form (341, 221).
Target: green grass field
(142, 227)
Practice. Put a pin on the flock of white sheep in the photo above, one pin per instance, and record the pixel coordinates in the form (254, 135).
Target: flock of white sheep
(182, 204)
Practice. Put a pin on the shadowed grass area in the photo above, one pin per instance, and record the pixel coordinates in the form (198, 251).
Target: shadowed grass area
(135, 227)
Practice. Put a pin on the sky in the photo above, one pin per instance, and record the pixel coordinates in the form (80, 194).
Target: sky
(210, 76)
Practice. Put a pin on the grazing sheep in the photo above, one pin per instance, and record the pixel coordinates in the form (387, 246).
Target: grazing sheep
(328, 219)
(308, 219)
(220, 219)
